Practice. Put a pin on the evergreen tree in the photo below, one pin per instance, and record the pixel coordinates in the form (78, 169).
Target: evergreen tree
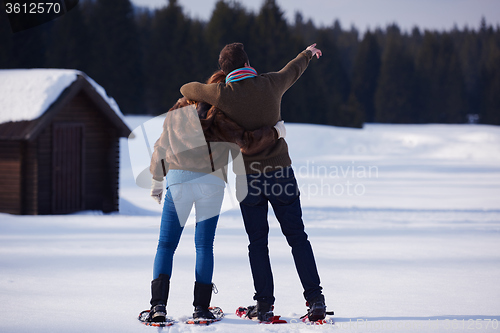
(304, 31)
(169, 58)
(428, 82)
(143, 19)
(271, 44)
(365, 74)
(442, 90)
(199, 65)
(114, 52)
(490, 110)
(347, 43)
(329, 85)
(28, 47)
(229, 23)
(470, 58)
(68, 45)
(5, 39)
(452, 88)
(415, 41)
(351, 113)
(395, 96)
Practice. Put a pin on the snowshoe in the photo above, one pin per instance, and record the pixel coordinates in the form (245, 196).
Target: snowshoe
(250, 313)
(317, 310)
(305, 319)
(144, 318)
(216, 313)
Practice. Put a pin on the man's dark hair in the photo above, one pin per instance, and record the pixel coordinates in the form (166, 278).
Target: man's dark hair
(232, 57)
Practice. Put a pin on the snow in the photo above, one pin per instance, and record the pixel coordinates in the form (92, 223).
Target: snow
(410, 244)
(28, 93)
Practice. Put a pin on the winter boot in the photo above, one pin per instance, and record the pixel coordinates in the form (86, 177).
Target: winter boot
(159, 295)
(202, 297)
(317, 308)
(262, 311)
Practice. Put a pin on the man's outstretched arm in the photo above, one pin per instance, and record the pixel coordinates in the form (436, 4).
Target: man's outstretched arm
(289, 74)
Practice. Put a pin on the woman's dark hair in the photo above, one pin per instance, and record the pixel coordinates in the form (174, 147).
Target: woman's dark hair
(217, 77)
(232, 57)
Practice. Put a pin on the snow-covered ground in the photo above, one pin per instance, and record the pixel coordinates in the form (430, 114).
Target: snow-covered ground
(404, 221)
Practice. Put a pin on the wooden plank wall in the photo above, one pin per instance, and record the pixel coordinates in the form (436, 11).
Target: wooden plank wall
(114, 175)
(29, 180)
(10, 177)
(44, 156)
(101, 158)
(67, 167)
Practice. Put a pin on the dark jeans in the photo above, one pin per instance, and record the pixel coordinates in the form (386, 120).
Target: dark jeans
(281, 190)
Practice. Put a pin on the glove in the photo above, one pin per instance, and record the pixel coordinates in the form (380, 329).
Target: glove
(280, 128)
(156, 190)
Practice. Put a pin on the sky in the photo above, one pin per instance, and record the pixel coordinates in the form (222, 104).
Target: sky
(364, 14)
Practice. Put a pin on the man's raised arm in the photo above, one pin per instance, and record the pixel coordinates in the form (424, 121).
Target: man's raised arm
(289, 74)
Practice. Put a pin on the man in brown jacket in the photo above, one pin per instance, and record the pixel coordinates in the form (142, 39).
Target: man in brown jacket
(253, 101)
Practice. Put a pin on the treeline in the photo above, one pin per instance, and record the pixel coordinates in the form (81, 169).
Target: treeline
(142, 58)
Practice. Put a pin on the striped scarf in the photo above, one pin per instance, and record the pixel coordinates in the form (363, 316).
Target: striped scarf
(241, 74)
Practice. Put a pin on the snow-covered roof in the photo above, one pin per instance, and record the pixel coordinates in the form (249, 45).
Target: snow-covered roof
(25, 94)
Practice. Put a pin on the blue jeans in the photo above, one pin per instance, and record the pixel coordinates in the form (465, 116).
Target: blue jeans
(281, 190)
(179, 199)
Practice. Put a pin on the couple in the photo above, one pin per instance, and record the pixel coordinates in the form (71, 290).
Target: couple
(236, 106)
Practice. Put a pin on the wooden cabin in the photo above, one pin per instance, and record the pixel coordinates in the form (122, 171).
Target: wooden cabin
(67, 158)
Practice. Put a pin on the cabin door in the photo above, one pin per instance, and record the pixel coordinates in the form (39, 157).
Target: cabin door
(67, 168)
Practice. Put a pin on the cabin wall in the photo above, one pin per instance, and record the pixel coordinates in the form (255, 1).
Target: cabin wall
(29, 179)
(10, 177)
(44, 159)
(100, 158)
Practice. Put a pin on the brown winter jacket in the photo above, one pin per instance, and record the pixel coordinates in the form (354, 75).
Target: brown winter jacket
(179, 146)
